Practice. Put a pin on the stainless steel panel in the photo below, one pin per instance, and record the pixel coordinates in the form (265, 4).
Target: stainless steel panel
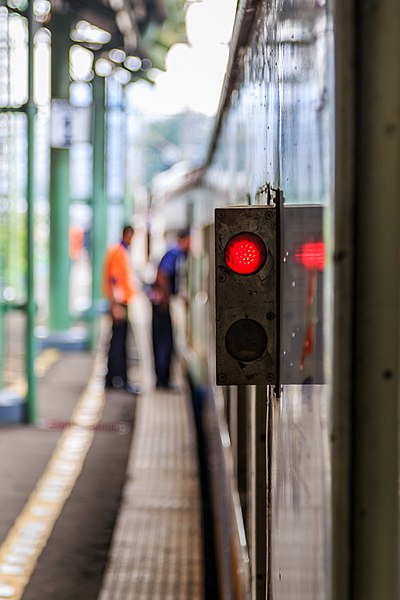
(279, 131)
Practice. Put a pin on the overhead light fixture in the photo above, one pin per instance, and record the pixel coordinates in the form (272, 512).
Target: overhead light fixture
(117, 55)
(123, 21)
(20, 5)
(131, 40)
(116, 4)
(86, 32)
(153, 74)
(122, 75)
(146, 64)
(41, 10)
(81, 61)
(103, 67)
(133, 63)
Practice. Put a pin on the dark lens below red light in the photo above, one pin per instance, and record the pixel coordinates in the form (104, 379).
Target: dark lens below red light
(245, 253)
(246, 340)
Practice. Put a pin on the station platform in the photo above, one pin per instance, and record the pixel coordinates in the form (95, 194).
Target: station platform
(157, 545)
(101, 498)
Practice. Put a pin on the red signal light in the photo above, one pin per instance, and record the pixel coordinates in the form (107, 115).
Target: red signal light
(245, 253)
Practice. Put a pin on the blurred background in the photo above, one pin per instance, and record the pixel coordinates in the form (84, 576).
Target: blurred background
(104, 107)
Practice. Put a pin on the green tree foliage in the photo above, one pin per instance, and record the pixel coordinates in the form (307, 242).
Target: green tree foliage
(181, 137)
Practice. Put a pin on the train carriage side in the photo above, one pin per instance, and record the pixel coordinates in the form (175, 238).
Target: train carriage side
(281, 530)
(277, 132)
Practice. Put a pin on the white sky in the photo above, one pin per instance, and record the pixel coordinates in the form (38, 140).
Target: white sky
(195, 71)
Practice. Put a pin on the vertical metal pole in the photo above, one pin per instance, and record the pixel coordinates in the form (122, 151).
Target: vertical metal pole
(241, 423)
(128, 208)
(258, 525)
(238, 435)
(341, 438)
(30, 195)
(59, 184)
(98, 240)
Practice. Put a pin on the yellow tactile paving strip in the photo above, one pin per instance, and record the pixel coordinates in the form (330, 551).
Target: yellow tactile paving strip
(43, 362)
(28, 537)
(157, 545)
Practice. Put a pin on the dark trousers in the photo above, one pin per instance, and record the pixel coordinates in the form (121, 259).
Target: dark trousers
(163, 344)
(117, 363)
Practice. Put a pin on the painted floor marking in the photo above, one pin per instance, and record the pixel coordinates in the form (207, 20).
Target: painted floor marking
(28, 537)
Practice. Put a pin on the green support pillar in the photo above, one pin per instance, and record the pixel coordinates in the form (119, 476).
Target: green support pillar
(2, 341)
(59, 184)
(30, 196)
(127, 199)
(98, 240)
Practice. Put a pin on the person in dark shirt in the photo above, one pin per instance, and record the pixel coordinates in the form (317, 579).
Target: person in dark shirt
(166, 286)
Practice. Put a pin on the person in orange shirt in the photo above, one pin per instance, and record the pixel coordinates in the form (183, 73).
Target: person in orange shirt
(119, 289)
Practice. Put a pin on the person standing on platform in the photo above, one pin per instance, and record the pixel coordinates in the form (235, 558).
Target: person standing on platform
(166, 286)
(119, 289)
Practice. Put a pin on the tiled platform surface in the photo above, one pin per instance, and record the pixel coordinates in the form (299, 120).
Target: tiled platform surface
(157, 545)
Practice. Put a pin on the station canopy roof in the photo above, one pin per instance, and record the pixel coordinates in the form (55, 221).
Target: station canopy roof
(143, 28)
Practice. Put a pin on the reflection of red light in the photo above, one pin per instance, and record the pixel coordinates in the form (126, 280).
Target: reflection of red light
(312, 255)
(245, 253)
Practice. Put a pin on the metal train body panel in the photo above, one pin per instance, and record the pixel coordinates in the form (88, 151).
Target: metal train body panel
(270, 453)
(278, 131)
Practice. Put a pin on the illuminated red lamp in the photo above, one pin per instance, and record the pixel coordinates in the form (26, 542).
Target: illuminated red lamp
(311, 255)
(245, 253)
